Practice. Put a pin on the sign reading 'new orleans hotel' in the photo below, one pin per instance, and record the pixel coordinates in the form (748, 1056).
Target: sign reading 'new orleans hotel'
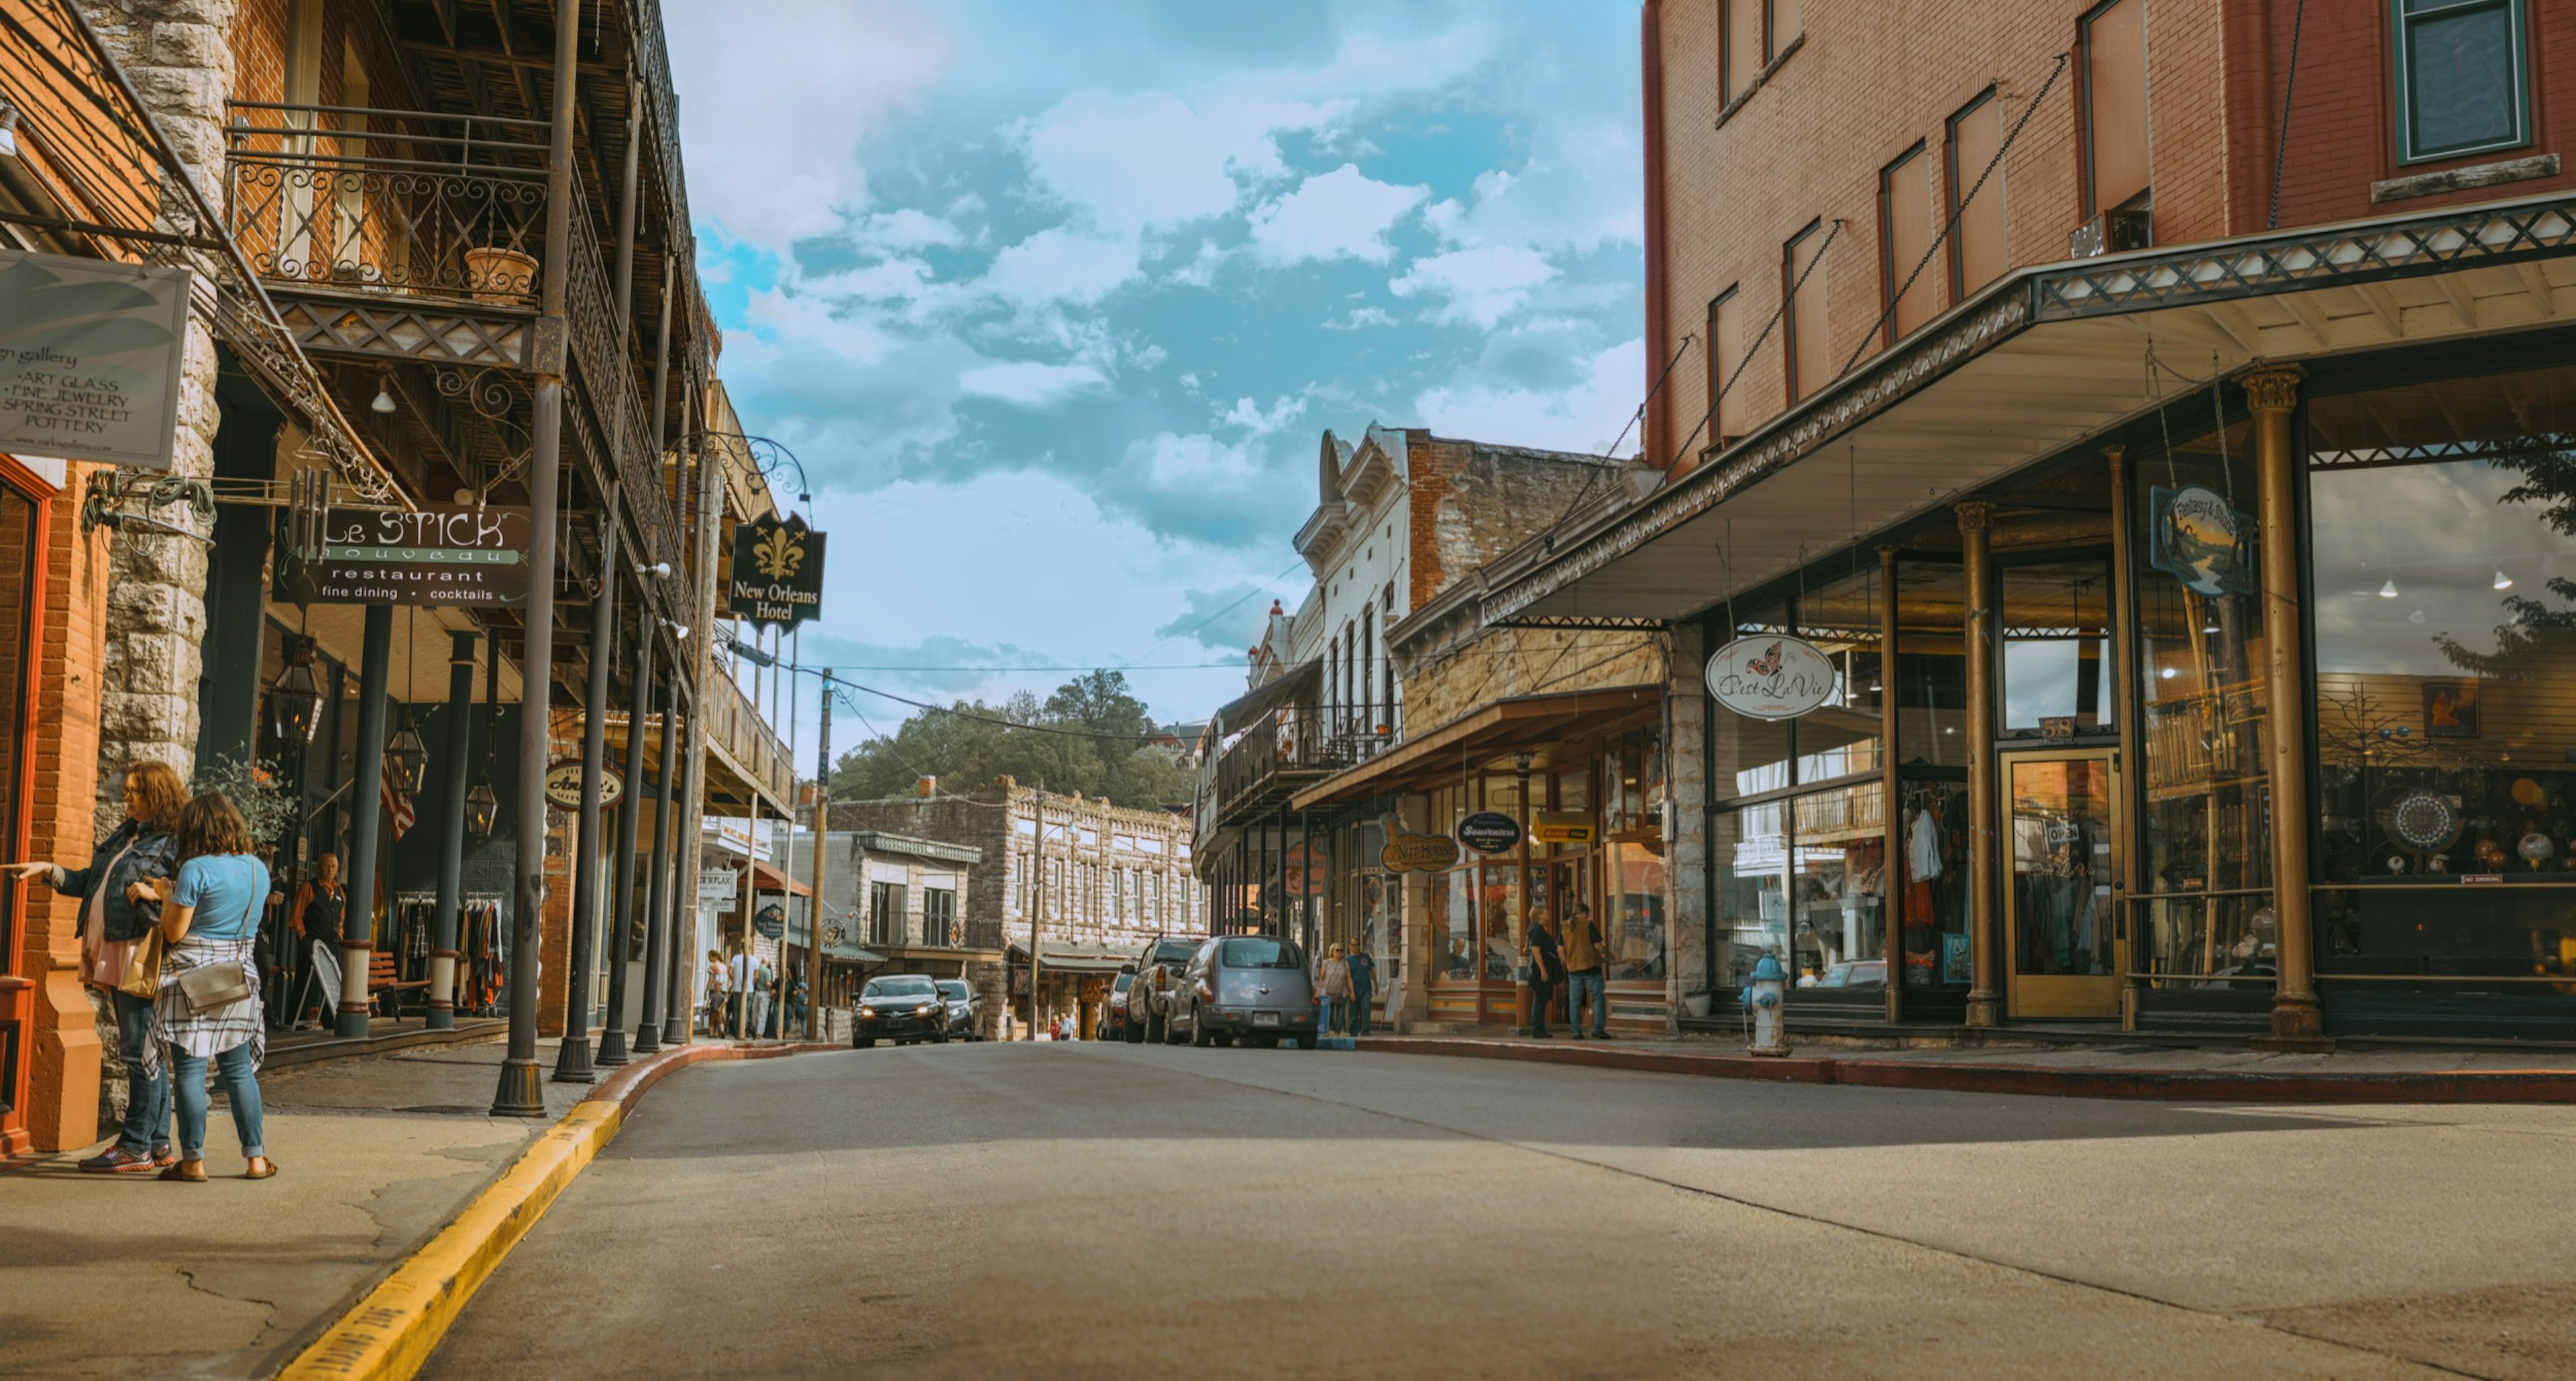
(777, 572)
(439, 555)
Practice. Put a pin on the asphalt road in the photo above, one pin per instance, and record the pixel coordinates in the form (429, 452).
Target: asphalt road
(1145, 1212)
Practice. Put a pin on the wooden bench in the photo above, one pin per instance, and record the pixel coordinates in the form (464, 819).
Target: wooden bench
(384, 977)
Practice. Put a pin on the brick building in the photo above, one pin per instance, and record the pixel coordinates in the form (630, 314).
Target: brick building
(2147, 416)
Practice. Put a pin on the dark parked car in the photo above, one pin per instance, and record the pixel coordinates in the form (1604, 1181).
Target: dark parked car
(1248, 988)
(1158, 976)
(905, 1008)
(965, 1010)
(1114, 1025)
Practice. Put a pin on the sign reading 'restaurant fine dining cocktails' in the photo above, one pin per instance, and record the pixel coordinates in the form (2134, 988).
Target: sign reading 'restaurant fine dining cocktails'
(439, 555)
(89, 358)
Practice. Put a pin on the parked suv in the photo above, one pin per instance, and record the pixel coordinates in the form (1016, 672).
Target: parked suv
(965, 1010)
(1158, 972)
(1247, 988)
(901, 1007)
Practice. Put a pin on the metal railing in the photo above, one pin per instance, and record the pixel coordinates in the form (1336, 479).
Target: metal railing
(1313, 739)
(737, 729)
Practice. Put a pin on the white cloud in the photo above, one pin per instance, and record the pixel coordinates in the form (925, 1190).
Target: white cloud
(1030, 384)
(1585, 416)
(1579, 190)
(904, 228)
(852, 64)
(1481, 286)
(1248, 415)
(1223, 494)
(1360, 318)
(1152, 161)
(1060, 265)
(1343, 214)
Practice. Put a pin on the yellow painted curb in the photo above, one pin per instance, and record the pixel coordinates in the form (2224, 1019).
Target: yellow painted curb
(391, 1332)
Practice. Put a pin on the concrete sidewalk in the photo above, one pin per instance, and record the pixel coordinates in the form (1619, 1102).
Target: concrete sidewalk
(2212, 1073)
(124, 1276)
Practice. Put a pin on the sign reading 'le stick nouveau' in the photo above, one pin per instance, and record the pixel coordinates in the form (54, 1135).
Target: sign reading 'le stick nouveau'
(439, 555)
(89, 358)
(777, 572)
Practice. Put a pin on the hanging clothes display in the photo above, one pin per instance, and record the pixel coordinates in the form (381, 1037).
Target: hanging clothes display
(478, 961)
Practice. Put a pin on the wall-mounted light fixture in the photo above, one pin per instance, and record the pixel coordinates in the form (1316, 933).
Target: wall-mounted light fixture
(657, 568)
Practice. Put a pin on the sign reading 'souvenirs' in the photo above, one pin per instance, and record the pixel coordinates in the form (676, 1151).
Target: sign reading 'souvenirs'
(90, 358)
(777, 572)
(439, 555)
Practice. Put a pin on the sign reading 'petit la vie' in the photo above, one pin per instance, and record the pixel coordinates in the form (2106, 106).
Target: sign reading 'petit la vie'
(1772, 676)
(777, 572)
(439, 555)
(90, 358)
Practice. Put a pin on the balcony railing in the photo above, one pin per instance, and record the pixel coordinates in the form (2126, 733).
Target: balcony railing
(1304, 741)
(737, 730)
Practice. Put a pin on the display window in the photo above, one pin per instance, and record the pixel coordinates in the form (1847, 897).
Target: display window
(2444, 630)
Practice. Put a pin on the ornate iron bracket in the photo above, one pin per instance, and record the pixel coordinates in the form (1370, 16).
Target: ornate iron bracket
(103, 503)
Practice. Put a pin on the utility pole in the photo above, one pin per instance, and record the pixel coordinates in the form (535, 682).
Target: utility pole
(822, 836)
(1037, 910)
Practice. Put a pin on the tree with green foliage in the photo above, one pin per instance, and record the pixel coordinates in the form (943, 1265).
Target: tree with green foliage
(1088, 739)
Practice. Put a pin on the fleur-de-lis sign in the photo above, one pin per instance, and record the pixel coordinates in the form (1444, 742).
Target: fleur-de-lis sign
(779, 555)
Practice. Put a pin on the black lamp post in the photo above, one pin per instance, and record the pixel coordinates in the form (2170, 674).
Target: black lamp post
(295, 698)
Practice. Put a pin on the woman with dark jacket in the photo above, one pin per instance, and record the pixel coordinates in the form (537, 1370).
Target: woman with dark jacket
(116, 909)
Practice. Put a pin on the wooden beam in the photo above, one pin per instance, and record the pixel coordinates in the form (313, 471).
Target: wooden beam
(2458, 294)
(2536, 283)
(2384, 307)
(2310, 315)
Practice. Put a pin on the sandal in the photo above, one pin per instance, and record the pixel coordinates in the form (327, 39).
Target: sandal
(179, 1172)
(266, 1174)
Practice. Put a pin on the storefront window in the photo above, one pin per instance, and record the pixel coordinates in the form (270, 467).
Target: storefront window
(1458, 921)
(18, 557)
(1498, 905)
(1636, 921)
(1841, 840)
(2056, 626)
(1931, 672)
(1749, 849)
(2445, 636)
(1934, 899)
(2205, 877)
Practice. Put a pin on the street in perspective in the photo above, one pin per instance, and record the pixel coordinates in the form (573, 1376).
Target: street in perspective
(1517, 689)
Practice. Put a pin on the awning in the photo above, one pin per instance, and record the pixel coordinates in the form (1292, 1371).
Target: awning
(1506, 726)
(1072, 956)
(852, 954)
(2045, 358)
(767, 878)
(1306, 676)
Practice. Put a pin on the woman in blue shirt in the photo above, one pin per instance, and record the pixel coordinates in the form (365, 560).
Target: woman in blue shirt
(211, 916)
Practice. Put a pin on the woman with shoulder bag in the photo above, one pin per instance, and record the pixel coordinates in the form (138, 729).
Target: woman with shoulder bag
(117, 914)
(209, 1006)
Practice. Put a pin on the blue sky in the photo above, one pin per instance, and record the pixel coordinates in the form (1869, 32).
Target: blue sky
(1054, 299)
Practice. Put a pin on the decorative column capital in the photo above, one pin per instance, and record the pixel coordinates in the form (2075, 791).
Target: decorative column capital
(2273, 388)
(1975, 515)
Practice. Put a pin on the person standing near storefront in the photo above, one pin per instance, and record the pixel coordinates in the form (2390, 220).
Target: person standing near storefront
(761, 984)
(1363, 971)
(116, 910)
(1546, 967)
(796, 1008)
(738, 975)
(211, 921)
(1583, 963)
(1335, 990)
(320, 910)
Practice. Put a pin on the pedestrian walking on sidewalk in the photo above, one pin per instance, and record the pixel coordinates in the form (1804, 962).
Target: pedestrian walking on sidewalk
(319, 911)
(1583, 963)
(763, 1023)
(796, 1009)
(1363, 969)
(1546, 968)
(738, 976)
(714, 982)
(1335, 991)
(209, 1008)
(116, 912)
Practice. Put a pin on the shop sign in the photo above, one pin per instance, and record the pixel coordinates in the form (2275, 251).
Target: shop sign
(717, 887)
(2198, 537)
(1563, 827)
(443, 554)
(90, 358)
(563, 784)
(1306, 870)
(777, 572)
(1772, 676)
(1418, 853)
(770, 922)
(1489, 832)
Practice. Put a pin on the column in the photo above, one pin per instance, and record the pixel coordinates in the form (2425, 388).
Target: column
(2273, 395)
(2122, 650)
(657, 940)
(1985, 996)
(630, 815)
(1690, 937)
(572, 1057)
(366, 806)
(456, 765)
(1891, 873)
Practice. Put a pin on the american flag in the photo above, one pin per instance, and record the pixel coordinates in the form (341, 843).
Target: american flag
(397, 808)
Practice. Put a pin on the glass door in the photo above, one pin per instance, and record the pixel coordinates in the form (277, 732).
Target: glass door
(2062, 831)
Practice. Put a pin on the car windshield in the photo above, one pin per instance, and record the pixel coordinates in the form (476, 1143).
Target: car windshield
(888, 989)
(1259, 952)
(952, 988)
(1173, 952)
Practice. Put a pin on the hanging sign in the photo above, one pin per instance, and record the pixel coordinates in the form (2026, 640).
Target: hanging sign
(716, 887)
(2199, 538)
(1772, 676)
(777, 572)
(1489, 832)
(443, 554)
(1418, 853)
(563, 784)
(1563, 827)
(769, 922)
(90, 358)
(1306, 870)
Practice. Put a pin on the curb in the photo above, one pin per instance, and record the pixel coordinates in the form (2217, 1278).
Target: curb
(2168, 1085)
(391, 1331)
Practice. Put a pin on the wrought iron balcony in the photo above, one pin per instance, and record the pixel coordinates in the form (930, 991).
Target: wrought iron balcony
(745, 740)
(1294, 746)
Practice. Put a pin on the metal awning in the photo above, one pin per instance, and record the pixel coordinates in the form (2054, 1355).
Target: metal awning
(1307, 676)
(1506, 726)
(2041, 360)
(765, 878)
(1073, 956)
(851, 954)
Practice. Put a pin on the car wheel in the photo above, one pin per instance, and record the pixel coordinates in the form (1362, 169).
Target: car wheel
(1135, 1034)
(1154, 1029)
(861, 1043)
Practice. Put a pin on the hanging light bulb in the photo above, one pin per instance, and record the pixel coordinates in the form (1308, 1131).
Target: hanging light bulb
(2503, 581)
(384, 401)
(407, 758)
(2388, 590)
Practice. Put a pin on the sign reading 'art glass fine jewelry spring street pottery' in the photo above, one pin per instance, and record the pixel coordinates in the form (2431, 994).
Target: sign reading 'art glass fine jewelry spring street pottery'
(90, 356)
(1772, 676)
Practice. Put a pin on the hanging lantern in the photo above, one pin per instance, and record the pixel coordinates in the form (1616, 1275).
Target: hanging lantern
(482, 808)
(295, 697)
(407, 758)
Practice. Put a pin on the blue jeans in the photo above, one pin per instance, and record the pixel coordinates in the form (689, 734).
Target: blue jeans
(1324, 1010)
(1577, 985)
(1359, 1014)
(147, 1099)
(241, 1090)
